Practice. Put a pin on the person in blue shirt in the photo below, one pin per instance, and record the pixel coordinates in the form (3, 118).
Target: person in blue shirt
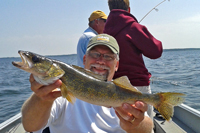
(96, 26)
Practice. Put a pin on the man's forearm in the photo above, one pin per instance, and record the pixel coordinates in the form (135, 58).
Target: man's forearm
(35, 113)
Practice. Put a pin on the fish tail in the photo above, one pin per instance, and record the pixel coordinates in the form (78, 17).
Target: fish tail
(167, 102)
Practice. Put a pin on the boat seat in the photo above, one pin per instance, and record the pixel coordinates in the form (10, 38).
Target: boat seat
(46, 130)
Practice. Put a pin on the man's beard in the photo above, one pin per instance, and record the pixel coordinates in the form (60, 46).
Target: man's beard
(100, 67)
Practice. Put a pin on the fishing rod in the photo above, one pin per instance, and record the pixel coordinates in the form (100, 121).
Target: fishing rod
(154, 8)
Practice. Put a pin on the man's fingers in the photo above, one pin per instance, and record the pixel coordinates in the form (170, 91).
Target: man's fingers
(35, 86)
(52, 95)
(141, 106)
(128, 112)
(127, 123)
(45, 92)
(47, 89)
(123, 113)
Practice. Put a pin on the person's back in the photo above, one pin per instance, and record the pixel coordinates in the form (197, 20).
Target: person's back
(134, 41)
(82, 44)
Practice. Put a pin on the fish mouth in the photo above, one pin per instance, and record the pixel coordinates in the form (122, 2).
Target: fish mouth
(25, 64)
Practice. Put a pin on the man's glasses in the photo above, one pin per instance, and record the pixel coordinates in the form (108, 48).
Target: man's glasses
(102, 19)
(97, 55)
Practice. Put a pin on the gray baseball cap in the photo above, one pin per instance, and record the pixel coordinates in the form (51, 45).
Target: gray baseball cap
(104, 39)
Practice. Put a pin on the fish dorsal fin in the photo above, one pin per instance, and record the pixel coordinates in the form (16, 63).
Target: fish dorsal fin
(66, 94)
(124, 82)
(88, 72)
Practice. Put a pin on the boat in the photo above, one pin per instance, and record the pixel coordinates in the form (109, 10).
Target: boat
(185, 120)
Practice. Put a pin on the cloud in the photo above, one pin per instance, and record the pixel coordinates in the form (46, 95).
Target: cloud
(192, 19)
(183, 33)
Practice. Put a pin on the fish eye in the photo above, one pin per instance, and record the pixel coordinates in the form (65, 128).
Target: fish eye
(35, 59)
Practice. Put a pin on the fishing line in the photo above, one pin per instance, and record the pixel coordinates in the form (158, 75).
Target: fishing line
(154, 8)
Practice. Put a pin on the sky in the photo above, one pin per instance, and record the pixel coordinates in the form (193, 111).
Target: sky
(53, 27)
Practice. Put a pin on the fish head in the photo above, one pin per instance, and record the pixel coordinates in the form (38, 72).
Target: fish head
(38, 65)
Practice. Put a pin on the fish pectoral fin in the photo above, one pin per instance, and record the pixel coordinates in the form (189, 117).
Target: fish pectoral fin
(56, 71)
(88, 72)
(124, 82)
(66, 94)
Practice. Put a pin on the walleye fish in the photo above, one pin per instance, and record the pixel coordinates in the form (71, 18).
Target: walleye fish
(92, 88)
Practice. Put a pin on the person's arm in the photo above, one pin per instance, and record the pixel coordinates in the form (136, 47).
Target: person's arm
(81, 50)
(36, 109)
(141, 124)
(146, 42)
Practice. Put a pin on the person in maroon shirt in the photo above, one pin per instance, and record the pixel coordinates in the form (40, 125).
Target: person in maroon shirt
(134, 41)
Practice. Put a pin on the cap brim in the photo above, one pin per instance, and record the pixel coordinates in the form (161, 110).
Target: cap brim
(104, 17)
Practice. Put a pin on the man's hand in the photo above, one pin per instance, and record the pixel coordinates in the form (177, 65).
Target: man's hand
(36, 109)
(132, 118)
(46, 93)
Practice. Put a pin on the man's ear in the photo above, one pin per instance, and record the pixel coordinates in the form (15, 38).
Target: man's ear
(96, 21)
(117, 66)
(84, 59)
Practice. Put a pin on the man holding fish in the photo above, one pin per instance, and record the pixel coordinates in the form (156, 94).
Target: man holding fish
(46, 107)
